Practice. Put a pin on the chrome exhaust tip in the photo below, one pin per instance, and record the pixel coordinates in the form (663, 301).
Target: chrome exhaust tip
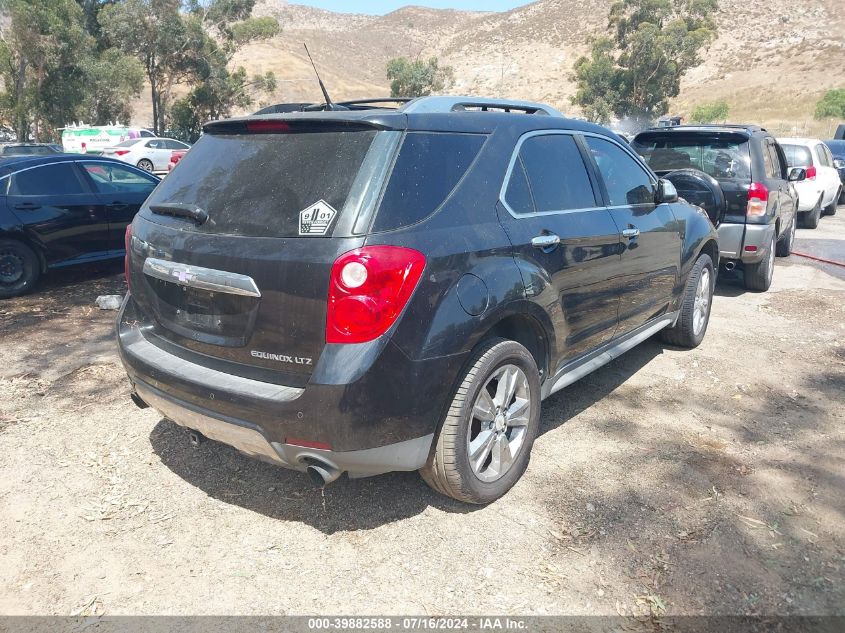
(322, 473)
(196, 438)
(729, 266)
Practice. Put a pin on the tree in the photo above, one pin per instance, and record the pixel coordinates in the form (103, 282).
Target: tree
(710, 112)
(832, 105)
(635, 71)
(183, 42)
(417, 78)
(43, 51)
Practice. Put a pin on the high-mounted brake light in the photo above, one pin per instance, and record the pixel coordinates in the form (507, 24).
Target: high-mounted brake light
(267, 127)
(758, 198)
(811, 172)
(127, 243)
(368, 289)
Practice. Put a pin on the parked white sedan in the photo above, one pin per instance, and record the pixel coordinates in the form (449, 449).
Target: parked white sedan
(819, 193)
(149, 154)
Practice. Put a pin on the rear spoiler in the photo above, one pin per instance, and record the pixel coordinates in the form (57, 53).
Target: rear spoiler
(304, 123)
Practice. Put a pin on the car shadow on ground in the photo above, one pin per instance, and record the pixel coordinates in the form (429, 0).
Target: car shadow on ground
(354, 504)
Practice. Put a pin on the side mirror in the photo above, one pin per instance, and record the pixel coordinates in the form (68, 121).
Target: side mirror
(797, 174)
(839, 163)
(666, 192)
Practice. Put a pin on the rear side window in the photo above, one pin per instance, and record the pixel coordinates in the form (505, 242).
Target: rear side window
(797, 155)
(109, 178)
(257, 184)
(427, 169)
(627, 183)
(557, 178)
(49, 180)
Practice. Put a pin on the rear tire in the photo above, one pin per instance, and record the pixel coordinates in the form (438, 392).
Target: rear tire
(811, 218)
(473, 459)
(831, 208)
(145, 164)
(20, 268)
(758, 276)
(784, 247)
(691, 326)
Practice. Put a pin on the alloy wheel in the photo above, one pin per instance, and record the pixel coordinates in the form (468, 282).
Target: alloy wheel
(499, 423)
(701, 305)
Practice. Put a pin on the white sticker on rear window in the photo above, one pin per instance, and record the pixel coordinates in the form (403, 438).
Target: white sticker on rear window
(316, 219)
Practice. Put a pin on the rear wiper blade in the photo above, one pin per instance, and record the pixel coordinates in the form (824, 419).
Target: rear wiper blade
(181, 210)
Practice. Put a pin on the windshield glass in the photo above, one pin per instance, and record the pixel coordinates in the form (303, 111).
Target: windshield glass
(714, 155)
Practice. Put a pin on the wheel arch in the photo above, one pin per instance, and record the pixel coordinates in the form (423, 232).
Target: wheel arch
(23, 238)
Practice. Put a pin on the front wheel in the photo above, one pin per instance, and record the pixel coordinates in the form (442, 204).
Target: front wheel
(692, 322)
(485, 441)
(145, 164)
(759, 276)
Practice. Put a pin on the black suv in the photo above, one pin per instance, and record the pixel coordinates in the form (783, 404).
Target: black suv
(739, 175)
(377, 290)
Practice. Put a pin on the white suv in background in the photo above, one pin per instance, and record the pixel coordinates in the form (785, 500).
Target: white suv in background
(149, 154)
(819, 193)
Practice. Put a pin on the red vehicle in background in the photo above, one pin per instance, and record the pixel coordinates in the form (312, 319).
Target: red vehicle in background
(175, 156)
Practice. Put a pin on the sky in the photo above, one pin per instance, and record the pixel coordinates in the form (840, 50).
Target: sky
(380, 7)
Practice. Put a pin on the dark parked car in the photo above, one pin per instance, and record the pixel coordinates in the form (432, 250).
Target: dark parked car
(739, 175)
(63, 209)
(371, 291)
(29, 149)
(837, 148)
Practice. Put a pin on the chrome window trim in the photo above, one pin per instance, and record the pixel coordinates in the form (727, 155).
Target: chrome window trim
(509, 172)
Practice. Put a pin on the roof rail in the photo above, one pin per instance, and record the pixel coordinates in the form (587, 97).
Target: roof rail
(429, 105)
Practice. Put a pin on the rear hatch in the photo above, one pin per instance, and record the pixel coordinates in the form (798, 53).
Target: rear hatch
(230, 256)
(723, 155)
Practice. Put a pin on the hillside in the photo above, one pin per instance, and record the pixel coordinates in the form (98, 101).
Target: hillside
(771, 62)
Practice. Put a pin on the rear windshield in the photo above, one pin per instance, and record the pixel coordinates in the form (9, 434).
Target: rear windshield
(721, 157)
(797, 155)
(27, 150)
(128, 143)
(262, 185)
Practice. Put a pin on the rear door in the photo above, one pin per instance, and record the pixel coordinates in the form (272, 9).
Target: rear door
(562, 234)
(787, 197)
(158, 151)
(122, 190)
(249, 282)
(59, 209)
(651, 240)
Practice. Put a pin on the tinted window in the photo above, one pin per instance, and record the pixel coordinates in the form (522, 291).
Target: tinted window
(156, 144)
(626, 182)
(797, 155)
(822, 155)
(768, 164)
(777, 163)
(557, 176)
(49, 180)
(108, 178)
(174, 145)
(145, 134)
(426, 171)
(128, 143)
(257, 184)
(837, 148)
(518, 195)
(721, 156)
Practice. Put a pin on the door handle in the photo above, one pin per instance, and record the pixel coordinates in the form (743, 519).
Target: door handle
(30, 206)
(545, 241)
(630, 233)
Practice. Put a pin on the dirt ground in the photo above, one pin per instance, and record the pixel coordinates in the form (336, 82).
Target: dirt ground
(702, 482)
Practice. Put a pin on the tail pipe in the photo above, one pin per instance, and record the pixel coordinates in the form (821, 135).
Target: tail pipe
(321, 473)
(729, 266)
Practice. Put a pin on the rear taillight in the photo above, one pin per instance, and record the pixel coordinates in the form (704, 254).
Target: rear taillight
(811, 172)
(121, 152)
(758, 199)
(127, 243)
(368, 289)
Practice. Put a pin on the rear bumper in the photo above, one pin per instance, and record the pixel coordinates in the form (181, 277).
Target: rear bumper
(736, 239)
(250, 440)
(376, 408)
